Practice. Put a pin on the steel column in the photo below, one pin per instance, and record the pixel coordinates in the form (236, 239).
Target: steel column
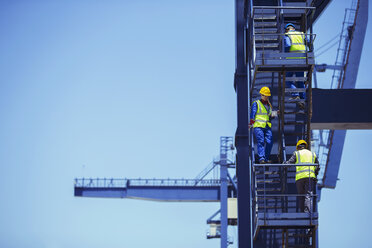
(223, 197)
(241, 135)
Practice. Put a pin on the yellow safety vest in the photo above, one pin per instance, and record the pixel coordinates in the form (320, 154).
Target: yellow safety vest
(298, 43)
(305, 156)
(262, 116)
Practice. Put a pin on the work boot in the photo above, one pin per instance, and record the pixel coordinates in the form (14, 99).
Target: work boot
(293, 98)
(269, 162)
(301, 105)
(262, 161)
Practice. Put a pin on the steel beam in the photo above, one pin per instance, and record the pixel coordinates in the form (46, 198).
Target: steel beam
(170, 194)
(340, 109)
(324, 67)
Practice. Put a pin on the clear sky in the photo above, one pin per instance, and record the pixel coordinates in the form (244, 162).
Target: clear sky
(135, 89)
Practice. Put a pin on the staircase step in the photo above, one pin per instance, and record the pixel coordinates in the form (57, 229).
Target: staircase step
(268, 181)
(294, 123)
(265, 24)
(259, 17)
(296, 79)
(299, 235)
(258, 30)
(267, 45)
(257, 10)
(266, 38)
(294, 100)
(290, 90)
(268, 173)
(295, 112)
(270, 207)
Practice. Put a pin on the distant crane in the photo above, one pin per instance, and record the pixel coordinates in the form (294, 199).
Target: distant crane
(200, 189)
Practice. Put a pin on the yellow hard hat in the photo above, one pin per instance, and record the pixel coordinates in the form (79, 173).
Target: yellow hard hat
(265, 91)
(300, 142)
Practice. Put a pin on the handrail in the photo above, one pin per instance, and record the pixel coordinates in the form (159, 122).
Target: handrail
(100, 182)
(282, 7)
(124, 183)
(206, 171)
(284, 165)
(281, 195)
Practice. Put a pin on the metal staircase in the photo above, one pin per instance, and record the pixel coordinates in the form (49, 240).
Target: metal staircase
(277, 220)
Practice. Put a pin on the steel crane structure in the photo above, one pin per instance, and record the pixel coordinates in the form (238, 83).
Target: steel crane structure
(199, 189)
(264, 195)
(267, 208)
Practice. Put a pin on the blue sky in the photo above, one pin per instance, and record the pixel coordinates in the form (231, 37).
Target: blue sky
(134, 89)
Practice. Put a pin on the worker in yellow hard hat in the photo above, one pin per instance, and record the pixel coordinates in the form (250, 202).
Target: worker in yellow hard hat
(261, 115)
(305, 174)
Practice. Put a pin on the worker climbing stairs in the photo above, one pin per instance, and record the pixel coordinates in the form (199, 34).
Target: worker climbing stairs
(277, 219)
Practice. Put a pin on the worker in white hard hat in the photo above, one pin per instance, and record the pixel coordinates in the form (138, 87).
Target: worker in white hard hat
(261, 114)
(305, 175)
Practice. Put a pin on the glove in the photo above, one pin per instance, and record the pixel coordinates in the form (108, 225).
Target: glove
(275, 113)
(317, 169)
(251, 123)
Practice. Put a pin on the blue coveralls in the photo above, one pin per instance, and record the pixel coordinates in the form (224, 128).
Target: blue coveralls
(263, 135)
(291, 84)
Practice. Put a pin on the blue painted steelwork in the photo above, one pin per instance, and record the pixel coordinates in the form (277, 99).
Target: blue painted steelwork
(320, 6)
(223, 189)
(243, 147)
(267, 66)
(122, 183)
(175, 194)
(206, 171)
(150, 189)
(329, 143)
(338, 120)
(176, 190)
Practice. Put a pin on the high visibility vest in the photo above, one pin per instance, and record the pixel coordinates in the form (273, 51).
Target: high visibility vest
(262, 116)
(297, 43)
(305, 156)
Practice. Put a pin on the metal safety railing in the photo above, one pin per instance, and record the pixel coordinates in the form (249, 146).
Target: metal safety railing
(100, 182)
(280, 209)
(261, 13)
(175, 182)
(123, 183)
(269, 57)
(264, 174)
